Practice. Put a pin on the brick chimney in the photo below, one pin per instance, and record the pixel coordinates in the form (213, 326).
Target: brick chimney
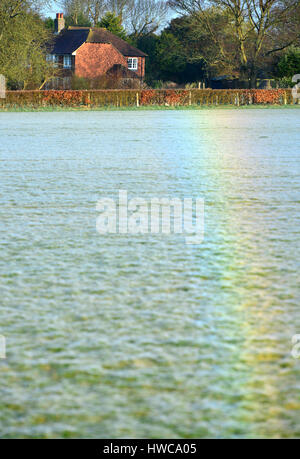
(59, 23)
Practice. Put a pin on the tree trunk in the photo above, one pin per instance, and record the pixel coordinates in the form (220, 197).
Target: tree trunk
(252, 79)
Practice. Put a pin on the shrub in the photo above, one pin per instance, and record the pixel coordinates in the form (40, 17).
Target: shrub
(285, 82)
(130, 97)
(157, 84)
(78, 83)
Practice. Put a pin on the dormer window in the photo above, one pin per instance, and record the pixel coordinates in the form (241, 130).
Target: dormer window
(132, 63)
(67, 61)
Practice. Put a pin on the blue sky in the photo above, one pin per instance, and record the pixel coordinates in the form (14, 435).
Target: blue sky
(55, 8)
(52, 10)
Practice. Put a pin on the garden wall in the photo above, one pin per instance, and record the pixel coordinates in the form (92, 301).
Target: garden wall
(133, 98)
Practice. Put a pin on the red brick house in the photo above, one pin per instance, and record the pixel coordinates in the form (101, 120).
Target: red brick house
(91, 52)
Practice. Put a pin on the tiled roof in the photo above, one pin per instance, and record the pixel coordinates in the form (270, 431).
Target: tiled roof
(72, 38)
(69, 40)
(101, 35)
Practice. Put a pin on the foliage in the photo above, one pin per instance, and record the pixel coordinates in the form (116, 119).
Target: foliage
(170, 55)
(104, 82)
(80, 21)
(113, 23)
(79, 83)
(252, 33)
(157, 84)
(23, 40)
(285, 82)
(162, 97)
(64, 98)
(242, 40)
(203, 56)
(49, 24)
(148, 44)
(289, 64)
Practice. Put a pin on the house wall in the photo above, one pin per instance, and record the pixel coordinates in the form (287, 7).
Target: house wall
(91, 61)
(94, 59)
(141, 69)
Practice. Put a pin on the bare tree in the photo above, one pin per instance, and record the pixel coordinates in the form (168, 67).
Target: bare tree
(96, 9)
(146, 16)
(74, 9)
(254, 22)
(121, 8)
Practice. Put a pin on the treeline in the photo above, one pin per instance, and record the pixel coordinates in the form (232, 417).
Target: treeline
(187, 41)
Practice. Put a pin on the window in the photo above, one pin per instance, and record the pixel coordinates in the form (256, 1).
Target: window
(55, 60)
(52, 58)
(67, 62)
(132, 63)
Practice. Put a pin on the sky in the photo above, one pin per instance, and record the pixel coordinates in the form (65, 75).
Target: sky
(55, 8)
(52, 10)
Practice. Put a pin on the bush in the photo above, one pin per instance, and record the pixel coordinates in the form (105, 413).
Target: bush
(157, 84)
(78, 83)
(104, 82)
(285, 82)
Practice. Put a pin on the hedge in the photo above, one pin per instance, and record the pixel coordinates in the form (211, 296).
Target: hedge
(131, 97)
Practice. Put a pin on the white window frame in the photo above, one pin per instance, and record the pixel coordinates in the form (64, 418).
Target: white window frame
(67, 61)
(132, 63)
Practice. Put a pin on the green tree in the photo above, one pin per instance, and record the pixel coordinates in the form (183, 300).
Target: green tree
(203, 57)
(49, 24)
(170, 55)
(81, 20)
(113, 23)
(23, 45)
(289, 63)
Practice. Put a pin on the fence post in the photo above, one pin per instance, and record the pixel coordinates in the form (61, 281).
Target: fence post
(137, 100)
(190, 98)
